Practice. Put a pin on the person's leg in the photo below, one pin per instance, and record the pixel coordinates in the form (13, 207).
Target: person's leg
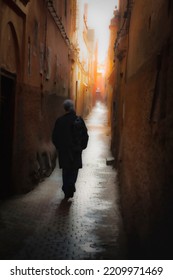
(69, 179)
(74, 176)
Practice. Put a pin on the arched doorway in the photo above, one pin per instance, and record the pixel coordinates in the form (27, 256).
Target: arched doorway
(7, 102)
(8, 78)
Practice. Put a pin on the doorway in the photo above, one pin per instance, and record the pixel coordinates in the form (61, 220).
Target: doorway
(7, 105)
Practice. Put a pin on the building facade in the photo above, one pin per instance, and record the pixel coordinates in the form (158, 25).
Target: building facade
(37, 53)
(142, 139)
(86, 62)
(110, 66)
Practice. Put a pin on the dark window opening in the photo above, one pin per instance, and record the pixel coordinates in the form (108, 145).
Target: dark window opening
(158, 108)
(169, 6)
(149, 23)
(65, 8)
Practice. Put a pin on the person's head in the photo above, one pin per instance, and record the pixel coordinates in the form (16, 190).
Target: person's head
(68, 105)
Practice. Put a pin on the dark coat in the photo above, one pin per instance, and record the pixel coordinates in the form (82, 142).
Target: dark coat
(62, 138)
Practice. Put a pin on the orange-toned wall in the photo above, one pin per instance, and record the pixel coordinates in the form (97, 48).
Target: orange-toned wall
(40, 90)
(144, 154)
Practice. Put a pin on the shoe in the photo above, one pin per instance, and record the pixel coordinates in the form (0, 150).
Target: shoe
(68, 195)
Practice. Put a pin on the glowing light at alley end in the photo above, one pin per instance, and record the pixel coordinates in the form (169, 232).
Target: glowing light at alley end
(100, 13)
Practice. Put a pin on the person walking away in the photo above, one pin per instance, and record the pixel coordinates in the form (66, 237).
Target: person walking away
(70, 138)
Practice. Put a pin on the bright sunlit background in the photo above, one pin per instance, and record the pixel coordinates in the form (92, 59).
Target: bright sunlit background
(100, 13)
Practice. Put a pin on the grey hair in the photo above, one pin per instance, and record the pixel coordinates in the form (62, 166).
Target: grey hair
(68, 105)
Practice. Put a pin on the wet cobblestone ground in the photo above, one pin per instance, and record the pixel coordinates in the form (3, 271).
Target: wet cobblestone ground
(42, 225)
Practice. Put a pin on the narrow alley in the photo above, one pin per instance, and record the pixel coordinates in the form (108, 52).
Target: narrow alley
(42, 225)
(114, 60)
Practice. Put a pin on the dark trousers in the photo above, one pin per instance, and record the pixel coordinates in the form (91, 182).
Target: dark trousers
(69, 177)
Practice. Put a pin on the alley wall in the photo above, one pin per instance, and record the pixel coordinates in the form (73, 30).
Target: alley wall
(35, 55)
(40, 66)
(142, 137)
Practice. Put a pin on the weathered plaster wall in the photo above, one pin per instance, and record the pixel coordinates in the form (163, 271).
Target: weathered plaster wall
(38, 55)
(144, 155)
(45, 86)
(148, 31)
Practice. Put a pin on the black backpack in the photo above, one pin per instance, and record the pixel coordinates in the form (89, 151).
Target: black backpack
(80, 135)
